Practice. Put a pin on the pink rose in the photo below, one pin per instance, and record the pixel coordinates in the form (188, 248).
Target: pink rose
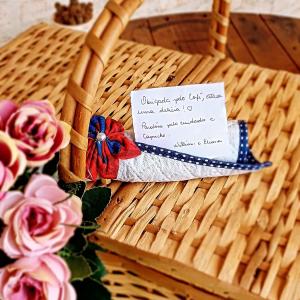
(7, 107)
(35, 128)
(36, 278)
(39, 221)
(12, 163)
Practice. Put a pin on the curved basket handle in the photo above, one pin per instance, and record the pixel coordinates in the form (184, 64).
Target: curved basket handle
(85, 78)
(219, 24)
(84, 81)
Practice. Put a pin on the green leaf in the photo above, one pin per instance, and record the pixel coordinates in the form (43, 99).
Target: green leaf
(77, 243)
(75, 188)
(64, 253)
(94, 289)
(94, 201)
(93, 260)
(80, 269)
(5, 260)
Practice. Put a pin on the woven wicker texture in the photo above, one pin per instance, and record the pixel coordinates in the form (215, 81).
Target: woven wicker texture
(126, 279)
(85, 78)
(38, 64)
(242, 230)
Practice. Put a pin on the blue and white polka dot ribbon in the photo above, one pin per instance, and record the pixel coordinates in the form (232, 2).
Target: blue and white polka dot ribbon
(157, 164)
(245, 160)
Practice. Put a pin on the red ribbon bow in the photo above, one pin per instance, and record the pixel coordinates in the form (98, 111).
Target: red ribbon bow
(106, 146)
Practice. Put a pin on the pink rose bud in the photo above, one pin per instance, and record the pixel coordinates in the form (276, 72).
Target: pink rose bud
(37, 131)
(12, 163)
(35, 278)
(41, 220)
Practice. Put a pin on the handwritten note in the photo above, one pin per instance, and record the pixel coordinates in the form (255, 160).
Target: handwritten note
(189, 119)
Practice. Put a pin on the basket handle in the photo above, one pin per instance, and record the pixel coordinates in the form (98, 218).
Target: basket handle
(219, 24)
(85, 78)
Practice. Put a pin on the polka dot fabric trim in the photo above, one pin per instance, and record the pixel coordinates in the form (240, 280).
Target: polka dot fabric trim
(246, 161)
(245, 155)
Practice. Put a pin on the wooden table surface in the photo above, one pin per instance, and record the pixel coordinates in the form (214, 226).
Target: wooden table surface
(269, 41)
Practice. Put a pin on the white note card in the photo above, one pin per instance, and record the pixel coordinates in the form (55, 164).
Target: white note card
(190, 119)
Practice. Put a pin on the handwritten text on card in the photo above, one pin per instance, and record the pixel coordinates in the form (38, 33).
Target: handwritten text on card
(189, 119)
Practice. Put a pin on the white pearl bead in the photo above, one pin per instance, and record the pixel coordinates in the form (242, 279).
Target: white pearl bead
(101, 136)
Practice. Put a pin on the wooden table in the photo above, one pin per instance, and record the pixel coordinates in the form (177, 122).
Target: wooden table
(268, 41)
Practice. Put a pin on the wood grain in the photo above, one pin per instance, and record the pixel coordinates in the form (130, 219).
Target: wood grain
(182, 32)
(261, 43)
(287, 32)
(138, 31)
(269, 41)
(237, 49)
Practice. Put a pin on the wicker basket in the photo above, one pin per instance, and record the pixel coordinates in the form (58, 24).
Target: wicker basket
(80, 103)
(236, 237)
(130, 280)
